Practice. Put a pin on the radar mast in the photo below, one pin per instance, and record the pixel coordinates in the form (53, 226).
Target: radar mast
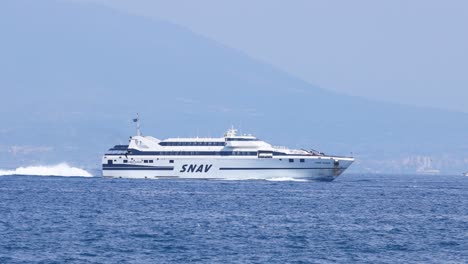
(232, 132)
(137, 121)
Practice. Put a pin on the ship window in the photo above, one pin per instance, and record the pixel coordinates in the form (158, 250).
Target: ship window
(125, 161)
(145, 161)
(291, 160)
(109, 162)
(171, 161)
(151, 161)
(302, 160)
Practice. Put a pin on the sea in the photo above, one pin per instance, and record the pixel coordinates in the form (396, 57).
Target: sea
(357, 218)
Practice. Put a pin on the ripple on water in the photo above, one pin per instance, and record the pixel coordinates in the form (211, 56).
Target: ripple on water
(358, 218)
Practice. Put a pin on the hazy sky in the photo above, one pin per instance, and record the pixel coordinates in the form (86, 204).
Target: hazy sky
(406, 51)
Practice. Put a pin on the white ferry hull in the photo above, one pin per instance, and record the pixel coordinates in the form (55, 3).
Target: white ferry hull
(311, 168)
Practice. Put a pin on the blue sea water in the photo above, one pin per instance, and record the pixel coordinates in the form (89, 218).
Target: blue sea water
(355, 219)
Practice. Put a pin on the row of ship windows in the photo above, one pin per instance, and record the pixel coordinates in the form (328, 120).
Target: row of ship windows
(145, 161)
(172, 161)
(205, 143)
(192, 143)
(292, 160)
(241, 139)
(196, 153)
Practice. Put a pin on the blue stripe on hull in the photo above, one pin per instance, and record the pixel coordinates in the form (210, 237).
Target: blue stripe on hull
(279, 168)
(134, 152)
(130, 169)
(134, 167)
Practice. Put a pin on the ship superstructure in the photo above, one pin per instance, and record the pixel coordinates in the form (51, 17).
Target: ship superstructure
(232, 156)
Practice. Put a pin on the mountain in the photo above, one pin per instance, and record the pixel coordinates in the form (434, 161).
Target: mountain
(73, 76)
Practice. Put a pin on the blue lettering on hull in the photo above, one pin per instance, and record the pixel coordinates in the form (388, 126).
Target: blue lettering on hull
(196, 168)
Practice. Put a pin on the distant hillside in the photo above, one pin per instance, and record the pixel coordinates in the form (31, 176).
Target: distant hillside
(72, 77)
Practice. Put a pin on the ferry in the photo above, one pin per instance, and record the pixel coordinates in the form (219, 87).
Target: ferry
(231, 157)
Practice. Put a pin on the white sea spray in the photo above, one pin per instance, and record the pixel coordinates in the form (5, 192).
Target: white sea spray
(62, 169)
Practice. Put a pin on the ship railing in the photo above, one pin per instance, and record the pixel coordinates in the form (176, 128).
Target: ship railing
(280, 147)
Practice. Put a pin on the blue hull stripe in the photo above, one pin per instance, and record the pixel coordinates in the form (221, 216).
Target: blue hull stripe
(202, 153)
(280, 168)
(130, 169)
(134, 167)
(134, 152)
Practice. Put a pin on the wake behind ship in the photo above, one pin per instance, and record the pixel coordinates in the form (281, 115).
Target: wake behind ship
(236, 157)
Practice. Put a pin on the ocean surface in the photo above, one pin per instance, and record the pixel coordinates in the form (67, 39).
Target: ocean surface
(355, 219)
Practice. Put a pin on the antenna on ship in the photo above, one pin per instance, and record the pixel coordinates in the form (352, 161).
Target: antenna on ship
(231, 132)
(137, 121)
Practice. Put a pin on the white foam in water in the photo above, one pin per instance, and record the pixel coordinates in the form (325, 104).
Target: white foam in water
(287, 179)
(61, 169)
